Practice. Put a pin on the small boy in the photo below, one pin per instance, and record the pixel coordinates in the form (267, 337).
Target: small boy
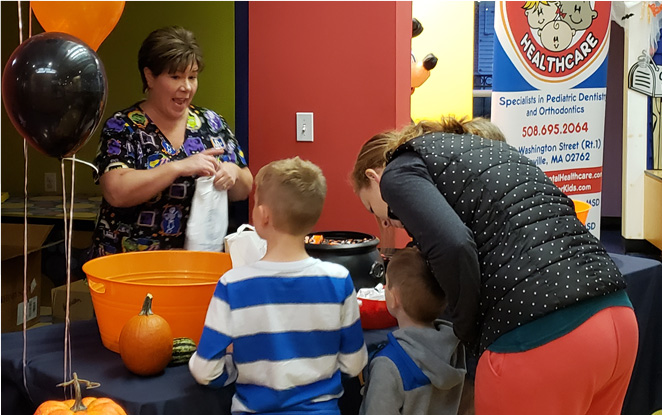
(421, 369)
(291, 322)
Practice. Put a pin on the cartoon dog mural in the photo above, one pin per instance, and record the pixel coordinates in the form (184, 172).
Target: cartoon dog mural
(420, 71)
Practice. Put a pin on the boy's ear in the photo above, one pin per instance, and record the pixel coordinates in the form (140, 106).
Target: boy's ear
(372, 175)
(264, 214)
(395, 295)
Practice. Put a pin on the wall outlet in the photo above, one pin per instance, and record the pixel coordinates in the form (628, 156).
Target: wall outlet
(50, 182)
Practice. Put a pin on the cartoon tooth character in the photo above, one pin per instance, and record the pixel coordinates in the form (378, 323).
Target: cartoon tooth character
(577, 14)
(556, 35)
(539, 13)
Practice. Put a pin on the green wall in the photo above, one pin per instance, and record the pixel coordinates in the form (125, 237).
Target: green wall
(213, 25)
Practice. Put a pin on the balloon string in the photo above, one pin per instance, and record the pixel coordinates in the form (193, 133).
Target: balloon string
(66, 312)
(71, 232)
(87, 163)
(20, 24)
(68, 233)
(25, 268)
(25, 236)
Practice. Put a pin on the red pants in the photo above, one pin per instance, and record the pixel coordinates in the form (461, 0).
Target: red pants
(585, 372)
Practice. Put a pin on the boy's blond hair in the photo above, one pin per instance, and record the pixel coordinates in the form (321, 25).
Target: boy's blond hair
(294, 190)
(420, 294)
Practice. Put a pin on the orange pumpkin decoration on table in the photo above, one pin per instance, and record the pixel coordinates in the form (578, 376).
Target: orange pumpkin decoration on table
(80, 405)
(146, 342)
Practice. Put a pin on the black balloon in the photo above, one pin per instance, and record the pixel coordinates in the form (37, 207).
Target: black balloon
(54, 90)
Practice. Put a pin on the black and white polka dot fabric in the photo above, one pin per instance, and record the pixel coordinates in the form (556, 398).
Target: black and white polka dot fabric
(493, 226)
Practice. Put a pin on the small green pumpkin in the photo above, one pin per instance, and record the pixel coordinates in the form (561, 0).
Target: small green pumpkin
(182, 350)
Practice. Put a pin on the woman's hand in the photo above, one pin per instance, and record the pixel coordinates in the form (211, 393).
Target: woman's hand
(238, 181)
(201, 164)
(130, 187)
(226, 176)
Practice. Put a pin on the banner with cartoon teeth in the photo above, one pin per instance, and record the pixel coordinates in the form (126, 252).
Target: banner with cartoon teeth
(550, 87)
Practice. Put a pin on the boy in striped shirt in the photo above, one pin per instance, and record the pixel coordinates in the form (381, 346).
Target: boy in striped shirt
(285, 327)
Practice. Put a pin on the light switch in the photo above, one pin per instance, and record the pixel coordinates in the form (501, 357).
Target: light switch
(304, 126)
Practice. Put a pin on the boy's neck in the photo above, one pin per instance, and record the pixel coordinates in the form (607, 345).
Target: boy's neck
(405, 321)
(282, 247)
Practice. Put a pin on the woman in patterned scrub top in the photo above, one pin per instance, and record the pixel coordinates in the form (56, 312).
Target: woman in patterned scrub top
(151, 153)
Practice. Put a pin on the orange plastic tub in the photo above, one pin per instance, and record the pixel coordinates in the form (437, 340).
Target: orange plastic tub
(581, 209)
(182, 283)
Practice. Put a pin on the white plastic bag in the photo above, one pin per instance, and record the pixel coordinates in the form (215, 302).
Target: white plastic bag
(245, 246)
(208, 220)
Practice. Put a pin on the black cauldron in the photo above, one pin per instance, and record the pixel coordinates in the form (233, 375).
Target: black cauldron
(362, 259)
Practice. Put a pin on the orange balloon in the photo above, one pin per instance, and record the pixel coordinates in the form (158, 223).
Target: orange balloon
(89, 21)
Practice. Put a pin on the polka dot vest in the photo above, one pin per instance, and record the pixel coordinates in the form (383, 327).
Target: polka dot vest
(535, 256)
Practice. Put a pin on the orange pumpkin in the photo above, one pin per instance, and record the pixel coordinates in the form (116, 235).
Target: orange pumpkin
(146, 342)
(79, 405)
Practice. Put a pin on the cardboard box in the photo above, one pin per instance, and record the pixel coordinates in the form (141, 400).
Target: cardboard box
(80, 302)
(11, 276)
(46, 287)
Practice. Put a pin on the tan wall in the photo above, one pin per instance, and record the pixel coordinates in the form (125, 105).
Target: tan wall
(213, 24)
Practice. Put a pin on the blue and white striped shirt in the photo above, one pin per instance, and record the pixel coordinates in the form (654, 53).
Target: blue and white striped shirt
(294, 327)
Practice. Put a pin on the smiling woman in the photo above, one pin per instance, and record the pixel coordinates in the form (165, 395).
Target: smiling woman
(151, 153)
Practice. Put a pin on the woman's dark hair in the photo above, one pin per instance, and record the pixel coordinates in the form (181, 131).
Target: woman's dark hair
(169, 49)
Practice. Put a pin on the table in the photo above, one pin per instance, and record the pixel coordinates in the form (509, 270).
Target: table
(175, 392)
(653, 207)
(166, 394)
(47, 210)
(644, 279)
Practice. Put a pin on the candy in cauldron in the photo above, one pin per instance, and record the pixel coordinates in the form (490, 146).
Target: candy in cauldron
(356, 251)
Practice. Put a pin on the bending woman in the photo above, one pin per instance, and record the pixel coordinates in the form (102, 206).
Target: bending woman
(529, 289)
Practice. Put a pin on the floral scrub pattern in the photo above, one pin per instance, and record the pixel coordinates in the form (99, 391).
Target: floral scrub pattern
(130, 140)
